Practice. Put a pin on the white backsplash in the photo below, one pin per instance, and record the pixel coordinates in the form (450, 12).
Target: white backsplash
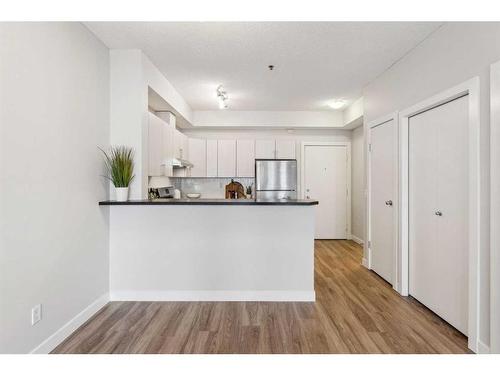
(209, 188)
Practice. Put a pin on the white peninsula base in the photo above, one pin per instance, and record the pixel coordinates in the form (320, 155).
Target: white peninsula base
(212, 253)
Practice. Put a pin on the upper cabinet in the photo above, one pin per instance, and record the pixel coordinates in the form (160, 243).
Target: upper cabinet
(245, 158)
(181, 145)
(198, 156)
(285, 149)
(275, 149)
(155, 146)
(168, 149)
(211, 157)
(265, 149)
(226, 158)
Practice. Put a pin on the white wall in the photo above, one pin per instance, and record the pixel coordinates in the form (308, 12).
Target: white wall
(453, 54)
(132, 74)
(357, 184)
(353, 111)
(128, 123)
(54, 108)
(267, 119)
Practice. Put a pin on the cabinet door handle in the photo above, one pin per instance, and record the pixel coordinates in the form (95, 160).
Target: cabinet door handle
(438, 213)
(388, 203)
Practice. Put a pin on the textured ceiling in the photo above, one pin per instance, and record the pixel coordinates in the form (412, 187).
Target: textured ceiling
(314, 61)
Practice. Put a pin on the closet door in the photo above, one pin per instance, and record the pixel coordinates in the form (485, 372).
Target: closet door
(453, 203)
(438, 242)
(382, 199)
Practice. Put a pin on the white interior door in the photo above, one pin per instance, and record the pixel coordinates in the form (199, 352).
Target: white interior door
(325, 179)
(438, 210)
(382, 199)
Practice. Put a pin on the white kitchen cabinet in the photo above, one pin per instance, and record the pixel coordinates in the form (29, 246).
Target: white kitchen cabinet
(211, 158)
(226, 158)
(155, 146)
(177, 144)
(265, 149)
(168, 133)
(285, 149)
(245, 158)
(198, 156)
(181, 145)
(168, 149)
(184, 147)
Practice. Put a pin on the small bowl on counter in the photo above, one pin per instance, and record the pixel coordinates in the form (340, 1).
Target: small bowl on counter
(193, 195)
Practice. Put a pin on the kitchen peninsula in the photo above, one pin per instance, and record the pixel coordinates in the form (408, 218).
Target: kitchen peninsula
(211, 250)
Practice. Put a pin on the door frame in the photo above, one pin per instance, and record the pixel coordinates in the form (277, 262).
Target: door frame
(303, 146)
(368, 261)
(494, 208)
(470, 88)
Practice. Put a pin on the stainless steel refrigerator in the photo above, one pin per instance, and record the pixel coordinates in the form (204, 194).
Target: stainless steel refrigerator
(275, 179)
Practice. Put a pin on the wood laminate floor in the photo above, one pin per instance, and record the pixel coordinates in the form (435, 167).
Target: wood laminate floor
(355, 312)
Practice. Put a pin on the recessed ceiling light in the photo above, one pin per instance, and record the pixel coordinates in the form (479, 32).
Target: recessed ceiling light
(337, 104)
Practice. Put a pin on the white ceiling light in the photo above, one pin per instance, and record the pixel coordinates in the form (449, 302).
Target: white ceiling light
(222, 97)
(337, 104)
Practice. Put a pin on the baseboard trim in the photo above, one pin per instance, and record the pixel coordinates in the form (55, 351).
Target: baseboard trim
(214, 295)
(63, 333)
(482, 348)
(364, 262)
(357, 239)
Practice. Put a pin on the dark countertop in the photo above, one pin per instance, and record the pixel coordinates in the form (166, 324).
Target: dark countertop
(208, 202)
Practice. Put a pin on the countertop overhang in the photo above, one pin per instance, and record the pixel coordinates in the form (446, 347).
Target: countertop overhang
(208, 202)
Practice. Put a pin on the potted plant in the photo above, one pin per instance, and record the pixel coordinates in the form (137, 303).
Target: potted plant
(120, 169)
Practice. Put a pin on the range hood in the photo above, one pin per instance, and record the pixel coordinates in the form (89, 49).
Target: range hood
(181, 163)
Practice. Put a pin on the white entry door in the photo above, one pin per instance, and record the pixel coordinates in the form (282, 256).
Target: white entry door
(438, 210)
(325, 179)
(382, 199)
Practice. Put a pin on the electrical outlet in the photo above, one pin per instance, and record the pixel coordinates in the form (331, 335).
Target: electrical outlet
(36, 314)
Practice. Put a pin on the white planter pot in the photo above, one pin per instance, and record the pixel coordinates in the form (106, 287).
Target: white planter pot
(121, 194)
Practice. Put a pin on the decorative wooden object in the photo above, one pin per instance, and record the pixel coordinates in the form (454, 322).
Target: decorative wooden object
(235, 190)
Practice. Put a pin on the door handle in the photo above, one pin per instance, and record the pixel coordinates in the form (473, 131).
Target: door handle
(388, 203)
(308, 197)
(438, 213)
